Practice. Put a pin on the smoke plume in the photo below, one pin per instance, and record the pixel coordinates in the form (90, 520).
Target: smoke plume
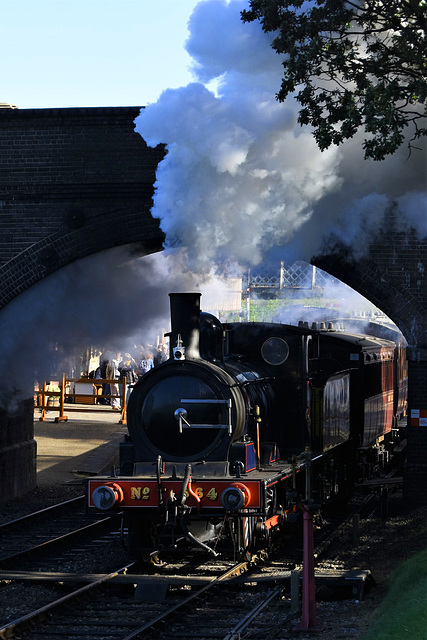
(242, 181)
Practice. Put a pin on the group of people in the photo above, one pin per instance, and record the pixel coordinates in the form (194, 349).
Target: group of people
(112, 366)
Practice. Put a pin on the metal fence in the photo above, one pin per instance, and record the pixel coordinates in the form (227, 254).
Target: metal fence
(299, 275)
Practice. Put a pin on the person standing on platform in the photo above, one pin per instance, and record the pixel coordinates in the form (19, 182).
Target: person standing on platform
(127, 369)
(160, 355)
(100, 374)
(146, 364)
(113, 373)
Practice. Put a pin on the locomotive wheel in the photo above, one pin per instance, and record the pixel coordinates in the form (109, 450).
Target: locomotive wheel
(262, 536)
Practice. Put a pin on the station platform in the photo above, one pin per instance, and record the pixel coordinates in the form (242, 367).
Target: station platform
(84, 445)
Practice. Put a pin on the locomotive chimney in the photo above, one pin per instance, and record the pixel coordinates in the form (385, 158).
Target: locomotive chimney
(185, 323)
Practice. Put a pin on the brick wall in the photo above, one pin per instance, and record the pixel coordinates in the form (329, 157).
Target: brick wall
(72, 182)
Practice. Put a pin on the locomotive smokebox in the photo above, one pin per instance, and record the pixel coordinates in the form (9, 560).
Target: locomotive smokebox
(185, 324)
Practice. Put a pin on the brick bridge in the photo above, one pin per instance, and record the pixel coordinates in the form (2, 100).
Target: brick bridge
(78, 181)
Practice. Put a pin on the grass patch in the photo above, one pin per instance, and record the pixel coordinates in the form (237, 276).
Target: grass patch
(403, 613)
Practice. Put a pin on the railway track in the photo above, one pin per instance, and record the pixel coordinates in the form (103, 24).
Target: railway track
(118, 604)
(40, 526)
(115, 610)
(52, 535)
(126, 606)
(181, 600)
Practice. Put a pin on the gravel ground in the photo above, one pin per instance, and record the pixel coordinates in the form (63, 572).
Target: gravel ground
(383, 546)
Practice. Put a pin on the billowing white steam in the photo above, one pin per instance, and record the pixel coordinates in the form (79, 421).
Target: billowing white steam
(241, 180)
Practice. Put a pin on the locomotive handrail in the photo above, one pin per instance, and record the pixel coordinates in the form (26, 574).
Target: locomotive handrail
(181, 415)
(62, 393)
(201, 401)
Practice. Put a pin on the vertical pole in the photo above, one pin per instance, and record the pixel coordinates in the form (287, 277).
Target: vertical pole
(123, 403)
(308, 621)
(258, 421)
(248, 298)
(62, 397)
(62, 417)
(307, 473)
(43, 414)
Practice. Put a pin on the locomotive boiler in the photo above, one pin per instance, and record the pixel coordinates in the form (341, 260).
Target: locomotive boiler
(221, 432)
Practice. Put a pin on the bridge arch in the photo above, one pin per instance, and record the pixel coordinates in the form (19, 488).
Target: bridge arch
(74, 182)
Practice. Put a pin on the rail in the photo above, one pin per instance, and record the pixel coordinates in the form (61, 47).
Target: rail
(64, 392)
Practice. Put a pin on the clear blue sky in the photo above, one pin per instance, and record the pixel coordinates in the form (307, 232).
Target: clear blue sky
(75, 53)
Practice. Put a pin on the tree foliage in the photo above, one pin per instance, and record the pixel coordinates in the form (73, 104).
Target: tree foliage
(351, 65)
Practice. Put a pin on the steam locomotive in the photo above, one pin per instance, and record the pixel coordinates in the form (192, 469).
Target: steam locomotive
(222, 432)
